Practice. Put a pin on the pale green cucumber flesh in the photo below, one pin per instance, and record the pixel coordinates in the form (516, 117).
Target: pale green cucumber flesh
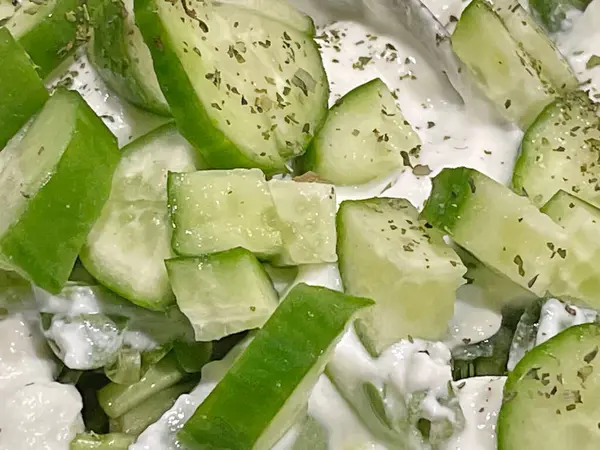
(93, 441)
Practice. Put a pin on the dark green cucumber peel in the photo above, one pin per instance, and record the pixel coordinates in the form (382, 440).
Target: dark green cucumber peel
(284, 351)
(552, 12)
(23, 92)
(450, 192)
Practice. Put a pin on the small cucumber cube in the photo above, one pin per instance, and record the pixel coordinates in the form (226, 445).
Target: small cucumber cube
(217, 210)
(386, 253)
(503, 230)
(307, 214)
(54, 179)
(363, 137)
(275, 373)
(222, 293)
(23, 93)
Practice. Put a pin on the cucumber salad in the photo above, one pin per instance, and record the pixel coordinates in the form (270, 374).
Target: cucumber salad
(299, 224)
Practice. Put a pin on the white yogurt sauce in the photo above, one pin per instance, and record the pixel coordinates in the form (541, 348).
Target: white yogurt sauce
(557, 316)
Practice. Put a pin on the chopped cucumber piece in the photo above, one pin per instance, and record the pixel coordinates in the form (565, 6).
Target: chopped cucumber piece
(23, 93)
(128, 244)
(276, 371)
(93, 441)
(552, 13)
(58, 172)
(116, 399)
(552, 64)
(193, 356)
(578, 279)
(222, 293)
(218, 210)
(526, 246)
(120, 55)
(560, 151)
(363, 137)
(551, 397)
(307, 215)
(51, 30)
(504, 71)
(388, 255)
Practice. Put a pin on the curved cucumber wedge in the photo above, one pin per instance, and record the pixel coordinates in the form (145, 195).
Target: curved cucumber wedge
(362, 138)
(503, 70)
(127, 246)
(552, 13)
(527, 246)
(276, 372)
(386, 253)
(120, 55)
(551, 397)
(560, 151)
(23, 93)
(51, 30)
(55, 179)
(245, 90)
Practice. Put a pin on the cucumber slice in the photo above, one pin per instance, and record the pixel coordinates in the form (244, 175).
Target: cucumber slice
(222, 293)
(362, 138)
(552, 64)
(58, 172)
(527, 246)
(578, 279)
(307, 215)
(23, 93)
(246, 90)
(276, 371)
(50, 31)
(552, 13)
(551, 398)
(127, 246)
(93, 441)
(387, 254)
(120, 55)
(504, 71)
(218, 210)
(560, 151)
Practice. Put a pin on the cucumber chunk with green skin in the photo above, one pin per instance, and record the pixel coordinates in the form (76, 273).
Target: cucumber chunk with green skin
(23, 93)
(216, 210)
(560, 151)
(552, 13)
(362, 138)
(126, 248)
(120, 55)
(276, 371)
(307, 214)
(51, 30)
(578, 279)
(503, 70)
(222, 293)
(527, 246)
(245, 90)
(387, 254)
(93, 441)
(522, 27)
(55, 178)
(551, 397)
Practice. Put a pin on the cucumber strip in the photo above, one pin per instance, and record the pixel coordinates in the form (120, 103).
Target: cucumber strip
(578, 279)
(93, 441)
(137, 419)
(120, 55)
(386, 253)
(527, 246)
(560, 151)
(117, 399)
(126, 248)
(245, 90)
(58, 172)
(551, 398)
(23, 93)
(307, 214)
(276, 371)
(503, 70)
(222, 293)
(218, 210)
(522, 27)
(363, 137)
(552, 13)
(50, 31)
